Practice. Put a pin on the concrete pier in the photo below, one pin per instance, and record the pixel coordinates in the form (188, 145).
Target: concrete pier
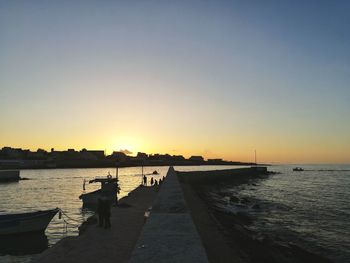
(169, 234)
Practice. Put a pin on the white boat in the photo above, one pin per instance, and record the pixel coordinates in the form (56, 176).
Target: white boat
(9, 175)
(33, 222)
(109, 190)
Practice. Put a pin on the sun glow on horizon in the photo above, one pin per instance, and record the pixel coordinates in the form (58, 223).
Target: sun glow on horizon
(125, 143)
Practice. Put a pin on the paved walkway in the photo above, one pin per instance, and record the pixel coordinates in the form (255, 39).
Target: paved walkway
(169, 234)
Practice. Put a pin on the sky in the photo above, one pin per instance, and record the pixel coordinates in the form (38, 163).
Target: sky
(213, 78)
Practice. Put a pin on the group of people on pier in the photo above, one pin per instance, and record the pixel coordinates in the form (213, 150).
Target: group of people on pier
(152, 181)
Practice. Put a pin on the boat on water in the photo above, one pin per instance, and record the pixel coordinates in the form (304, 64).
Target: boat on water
(24, 223)
(9, 176)
(298, 169)
(108, 191)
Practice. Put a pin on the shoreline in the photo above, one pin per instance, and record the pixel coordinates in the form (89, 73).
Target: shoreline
(129, 166)
(226, 237)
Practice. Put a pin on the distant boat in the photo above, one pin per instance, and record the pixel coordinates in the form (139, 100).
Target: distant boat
(32, 222)
(9, 176)
(298, 169)
(109, 189)
(155, 172)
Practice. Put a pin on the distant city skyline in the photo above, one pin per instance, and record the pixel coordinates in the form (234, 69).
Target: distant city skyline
(18, 158)
(219, 79)
(106, 153)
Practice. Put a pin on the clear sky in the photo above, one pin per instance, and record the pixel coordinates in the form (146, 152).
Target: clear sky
(211, 78)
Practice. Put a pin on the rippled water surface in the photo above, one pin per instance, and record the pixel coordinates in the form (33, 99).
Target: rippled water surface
(47, 189)
(309, 208)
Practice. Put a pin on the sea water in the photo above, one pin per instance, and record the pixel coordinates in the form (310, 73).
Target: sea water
(310, 208)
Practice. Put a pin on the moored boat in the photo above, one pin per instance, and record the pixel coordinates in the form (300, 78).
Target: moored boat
(32, 222)
(9, 175)
(109, 190)
(298, 169)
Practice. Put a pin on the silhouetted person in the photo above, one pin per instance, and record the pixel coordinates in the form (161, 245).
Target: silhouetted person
(152, 181)
(155, 182)
(107, 213)
(100, 211)
(144, 180)
(104, 212)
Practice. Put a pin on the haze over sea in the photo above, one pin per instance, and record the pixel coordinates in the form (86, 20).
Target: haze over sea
(309, 208)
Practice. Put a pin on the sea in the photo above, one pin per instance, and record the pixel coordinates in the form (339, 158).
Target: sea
(309, 208)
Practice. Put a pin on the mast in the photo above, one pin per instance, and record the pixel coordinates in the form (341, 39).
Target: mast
(255, 158)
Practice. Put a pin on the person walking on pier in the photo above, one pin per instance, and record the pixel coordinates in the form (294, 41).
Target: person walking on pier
(144, 180)
(152, 181)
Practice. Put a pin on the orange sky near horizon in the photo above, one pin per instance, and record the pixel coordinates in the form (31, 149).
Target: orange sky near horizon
(232, 149)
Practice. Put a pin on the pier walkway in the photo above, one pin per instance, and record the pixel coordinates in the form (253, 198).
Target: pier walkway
(169, 234)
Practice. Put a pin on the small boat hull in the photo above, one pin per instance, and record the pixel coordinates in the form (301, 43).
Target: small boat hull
(91, 199)
(34, 222)
(9, 176)
(23, 244)
(108, 191)
(298, 169)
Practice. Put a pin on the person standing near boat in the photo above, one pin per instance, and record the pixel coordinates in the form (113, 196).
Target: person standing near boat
(107, 213)
(104, 212)
(100, 212)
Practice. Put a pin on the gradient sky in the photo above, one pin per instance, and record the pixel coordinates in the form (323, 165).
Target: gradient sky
(213, 78)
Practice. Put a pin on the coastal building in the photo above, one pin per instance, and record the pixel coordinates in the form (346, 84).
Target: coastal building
(92, 154)
(141, 156)
(195, 158)
(216, 161)
(119, 156)
(12, 153)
